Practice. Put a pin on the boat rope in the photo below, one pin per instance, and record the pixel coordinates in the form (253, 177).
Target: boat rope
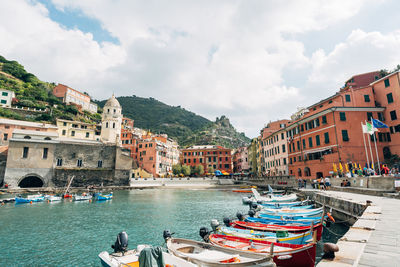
(332, 231)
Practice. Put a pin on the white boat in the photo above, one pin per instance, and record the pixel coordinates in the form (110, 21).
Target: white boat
(82, 197)
(207, 255)
(273, 198)
(131, 258)
(53, 198)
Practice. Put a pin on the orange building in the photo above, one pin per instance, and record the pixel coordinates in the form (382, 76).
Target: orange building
(69, 95)
(211, 157)
(128, 139)
(330, 131)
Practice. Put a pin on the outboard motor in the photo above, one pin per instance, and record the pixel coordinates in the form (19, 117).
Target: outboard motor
(240, 216)
(204, 233)
(252, 213)
(227, 221)
(167, 234)
(214, 224)
(121, 244)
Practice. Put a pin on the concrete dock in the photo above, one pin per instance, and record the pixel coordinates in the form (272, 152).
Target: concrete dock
(374, 239)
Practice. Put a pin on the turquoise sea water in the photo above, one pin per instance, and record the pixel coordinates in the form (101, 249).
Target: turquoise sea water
(74, 233)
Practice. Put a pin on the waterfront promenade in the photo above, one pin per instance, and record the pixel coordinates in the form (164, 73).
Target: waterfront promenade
(374, 240)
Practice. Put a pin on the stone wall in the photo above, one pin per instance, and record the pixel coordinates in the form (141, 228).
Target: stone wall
(379, 182)
(275, 181)
(84, 177)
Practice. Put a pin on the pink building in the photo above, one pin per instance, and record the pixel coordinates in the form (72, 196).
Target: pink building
(241, 160)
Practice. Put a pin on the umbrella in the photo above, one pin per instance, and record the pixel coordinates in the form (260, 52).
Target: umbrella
(340, 167)
(334, 167)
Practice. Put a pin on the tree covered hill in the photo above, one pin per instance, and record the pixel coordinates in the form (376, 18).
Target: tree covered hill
(186, 127)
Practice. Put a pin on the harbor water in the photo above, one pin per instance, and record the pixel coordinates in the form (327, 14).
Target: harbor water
(74, 233)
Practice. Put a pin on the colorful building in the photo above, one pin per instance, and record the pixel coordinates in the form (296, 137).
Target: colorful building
(241, 160)
(274, 148)
(69, 95)
(211, 157)
(329, 132)
(252, 156)
(78, 130)
(6, 97)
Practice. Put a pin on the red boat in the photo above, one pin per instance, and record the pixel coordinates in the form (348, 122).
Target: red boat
(242, 191)
(67, 196)
(285, 255)
(276, 227)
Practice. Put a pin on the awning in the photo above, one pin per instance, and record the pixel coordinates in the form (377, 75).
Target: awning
(317, 150)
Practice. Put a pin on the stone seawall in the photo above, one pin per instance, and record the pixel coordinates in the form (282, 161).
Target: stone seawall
(179, 182)
(85, 177)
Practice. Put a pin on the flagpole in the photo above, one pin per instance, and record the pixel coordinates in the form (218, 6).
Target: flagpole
(377, 156)
(365, 144)
(370, 150)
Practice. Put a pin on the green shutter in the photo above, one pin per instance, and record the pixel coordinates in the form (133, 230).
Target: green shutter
(342, 116)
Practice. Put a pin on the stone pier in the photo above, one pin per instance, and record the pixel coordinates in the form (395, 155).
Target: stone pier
(374, 238)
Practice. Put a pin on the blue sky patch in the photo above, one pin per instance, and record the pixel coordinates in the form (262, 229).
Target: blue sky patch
(75, 19)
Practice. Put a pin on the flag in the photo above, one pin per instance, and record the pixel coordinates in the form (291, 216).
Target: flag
(378, 124)
(369, 128)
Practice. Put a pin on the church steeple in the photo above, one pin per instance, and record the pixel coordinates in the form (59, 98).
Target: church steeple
(111, 121)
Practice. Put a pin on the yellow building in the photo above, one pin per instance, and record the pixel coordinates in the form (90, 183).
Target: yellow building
(78, 130)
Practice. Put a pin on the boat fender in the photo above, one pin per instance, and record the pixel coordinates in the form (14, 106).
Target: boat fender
(214, 224)
(204, 233)
(329, 251)
(330, 217)
(167, 234)
(121, 244)
(240, 216)
(252, 213)
(227, 221)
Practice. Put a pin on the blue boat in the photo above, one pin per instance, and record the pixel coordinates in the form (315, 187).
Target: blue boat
(293, 212)
(279, 205)
(278, 237)
(291, 217)
(29, 199)
(284, 222)
(104, 197)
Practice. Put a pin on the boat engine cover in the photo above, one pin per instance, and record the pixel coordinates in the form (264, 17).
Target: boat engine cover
(121, 244)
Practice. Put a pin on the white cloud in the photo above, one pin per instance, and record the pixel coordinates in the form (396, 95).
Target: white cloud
(211, 57)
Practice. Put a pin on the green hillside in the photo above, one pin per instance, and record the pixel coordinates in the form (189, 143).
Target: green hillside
(186, 127)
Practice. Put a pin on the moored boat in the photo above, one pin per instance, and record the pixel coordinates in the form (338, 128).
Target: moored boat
(207, 255)
(104, 196)
(53, 198)
(82, 197)
(273, 198)
(29, 199)
(284, 255)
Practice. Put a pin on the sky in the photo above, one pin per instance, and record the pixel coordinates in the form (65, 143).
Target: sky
(254, 61)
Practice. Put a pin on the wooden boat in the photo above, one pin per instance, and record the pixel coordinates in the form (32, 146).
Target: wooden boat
(241, 190)
(295, 228)
(283, 208)
(82, 197)
(131, 258)
(273, 198)
(279, 205)
(291, 218)
(207, 255)
(292, 211)
(284, 255)
(29, 199)
(278, 236)
(104, 196)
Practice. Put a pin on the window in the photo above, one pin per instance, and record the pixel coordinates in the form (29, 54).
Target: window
(324, 120)
(389, 98)
(393, 115)
(3, 101)
(100, 164)
(345, 135)
(59, 162)
(184, 161)
(304, 143)
(317, 122)
(298, 145)
(25, 152)
(87, 134)
(317, 141)
(45, 152)
(380, 116)
(387, 83)
(310, 141)
(342, 116)
(283, 149)
(200, 160)
(4, 93)
(282, 136)
(79, 163)
(347, 97)
(302, 127)
(5, 138)
(188, 160)
(366, 98)
(114, 125)
(326, 137)
(64, 132)
(73, 133)
(369, 116)
(284, 161)
(106, 124)
(290, 161)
